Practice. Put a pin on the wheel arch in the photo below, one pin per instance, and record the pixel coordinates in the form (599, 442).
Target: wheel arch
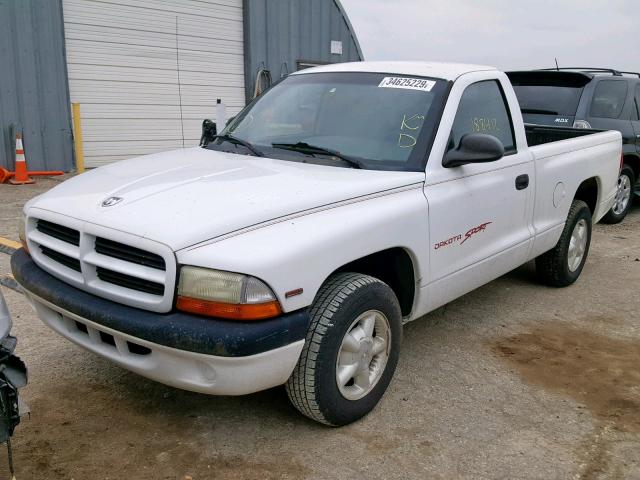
(589, 193)
(394, 266)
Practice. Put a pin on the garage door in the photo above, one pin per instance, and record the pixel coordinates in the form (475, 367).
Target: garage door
(123, 58)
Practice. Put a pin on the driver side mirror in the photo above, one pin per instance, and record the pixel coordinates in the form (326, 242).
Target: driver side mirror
(209, 132)
(474, 148)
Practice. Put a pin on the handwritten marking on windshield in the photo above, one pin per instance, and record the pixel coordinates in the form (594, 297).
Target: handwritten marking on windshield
(406, 141)
(415, 120)
(412, 123)
(485, 124)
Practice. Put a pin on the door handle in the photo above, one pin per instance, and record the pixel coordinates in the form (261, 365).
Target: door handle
(522, 182)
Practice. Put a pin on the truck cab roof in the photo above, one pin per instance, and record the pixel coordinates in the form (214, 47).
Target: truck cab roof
(446, 71)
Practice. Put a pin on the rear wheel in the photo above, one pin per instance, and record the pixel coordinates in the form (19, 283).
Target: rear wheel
(562, 265)
(351, 350)
(624, 196)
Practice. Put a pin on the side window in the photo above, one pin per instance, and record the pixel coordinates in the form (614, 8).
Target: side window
(608, 99)
(636, 111)
(483, 109)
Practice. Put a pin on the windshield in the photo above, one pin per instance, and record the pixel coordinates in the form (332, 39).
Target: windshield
(378, 121)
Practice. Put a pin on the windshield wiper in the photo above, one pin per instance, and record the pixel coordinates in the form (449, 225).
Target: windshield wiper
(304, 147)
(238, 141)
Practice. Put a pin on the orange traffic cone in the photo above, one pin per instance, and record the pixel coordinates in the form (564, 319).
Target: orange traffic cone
(5, 175)
(21, 176)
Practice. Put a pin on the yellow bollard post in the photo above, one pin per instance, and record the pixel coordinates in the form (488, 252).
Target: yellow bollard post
(77, 137)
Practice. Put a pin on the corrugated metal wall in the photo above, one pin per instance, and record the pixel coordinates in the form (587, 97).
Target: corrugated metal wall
(33, 85)
(281, 33)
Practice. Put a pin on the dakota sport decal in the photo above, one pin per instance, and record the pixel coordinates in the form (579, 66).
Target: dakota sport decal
(461, 239)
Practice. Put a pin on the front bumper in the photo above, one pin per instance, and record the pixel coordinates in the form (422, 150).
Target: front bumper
(185, 351)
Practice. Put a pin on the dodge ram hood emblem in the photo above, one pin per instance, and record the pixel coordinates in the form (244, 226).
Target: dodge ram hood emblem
(111, 201)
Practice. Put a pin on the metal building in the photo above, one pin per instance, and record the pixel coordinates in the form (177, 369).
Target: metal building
(147, 72)
(34, 95)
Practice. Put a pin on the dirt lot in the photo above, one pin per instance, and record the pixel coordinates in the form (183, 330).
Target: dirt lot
(513, 381)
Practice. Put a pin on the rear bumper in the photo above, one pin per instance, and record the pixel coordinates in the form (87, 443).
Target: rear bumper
(185, 351)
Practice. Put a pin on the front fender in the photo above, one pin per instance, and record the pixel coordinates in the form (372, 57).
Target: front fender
(300, 253)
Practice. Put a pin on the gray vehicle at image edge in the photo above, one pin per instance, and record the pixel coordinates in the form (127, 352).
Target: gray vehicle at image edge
(590, 98)
(13, 376)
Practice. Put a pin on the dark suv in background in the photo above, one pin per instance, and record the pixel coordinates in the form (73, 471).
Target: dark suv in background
(598, 98)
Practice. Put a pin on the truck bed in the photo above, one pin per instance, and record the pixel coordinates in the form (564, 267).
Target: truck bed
(541, 134)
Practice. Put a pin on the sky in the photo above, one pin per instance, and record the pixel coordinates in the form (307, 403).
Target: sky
(508, 34)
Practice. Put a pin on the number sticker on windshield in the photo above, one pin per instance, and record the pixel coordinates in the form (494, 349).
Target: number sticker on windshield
(408, 83)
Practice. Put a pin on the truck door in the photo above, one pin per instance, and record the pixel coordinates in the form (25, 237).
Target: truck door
(480, 215)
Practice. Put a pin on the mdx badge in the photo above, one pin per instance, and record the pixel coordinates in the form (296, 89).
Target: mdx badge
(111, 201)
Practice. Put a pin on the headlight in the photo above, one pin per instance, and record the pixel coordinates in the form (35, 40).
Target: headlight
(225, 295)
(22, 232)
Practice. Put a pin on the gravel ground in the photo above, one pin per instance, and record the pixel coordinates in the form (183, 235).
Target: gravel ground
(513, 381)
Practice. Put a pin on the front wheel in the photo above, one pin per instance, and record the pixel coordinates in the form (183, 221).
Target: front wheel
(350, 352)
(562, 265)
(624, 197)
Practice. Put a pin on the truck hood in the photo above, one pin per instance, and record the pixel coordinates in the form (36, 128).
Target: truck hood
(188, 196)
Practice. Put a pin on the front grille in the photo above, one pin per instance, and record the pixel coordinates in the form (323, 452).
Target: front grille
(129, 253)
(66, 234)
(72, 263)
(128, 269)
(127, 281)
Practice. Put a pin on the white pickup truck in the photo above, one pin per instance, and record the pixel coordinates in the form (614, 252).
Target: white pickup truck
(291, 248)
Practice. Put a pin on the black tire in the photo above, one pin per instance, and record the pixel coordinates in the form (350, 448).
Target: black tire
(312, 388)
(612, 217)
(552, 267)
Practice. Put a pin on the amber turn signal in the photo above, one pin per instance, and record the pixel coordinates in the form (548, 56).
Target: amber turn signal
(251, 311)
